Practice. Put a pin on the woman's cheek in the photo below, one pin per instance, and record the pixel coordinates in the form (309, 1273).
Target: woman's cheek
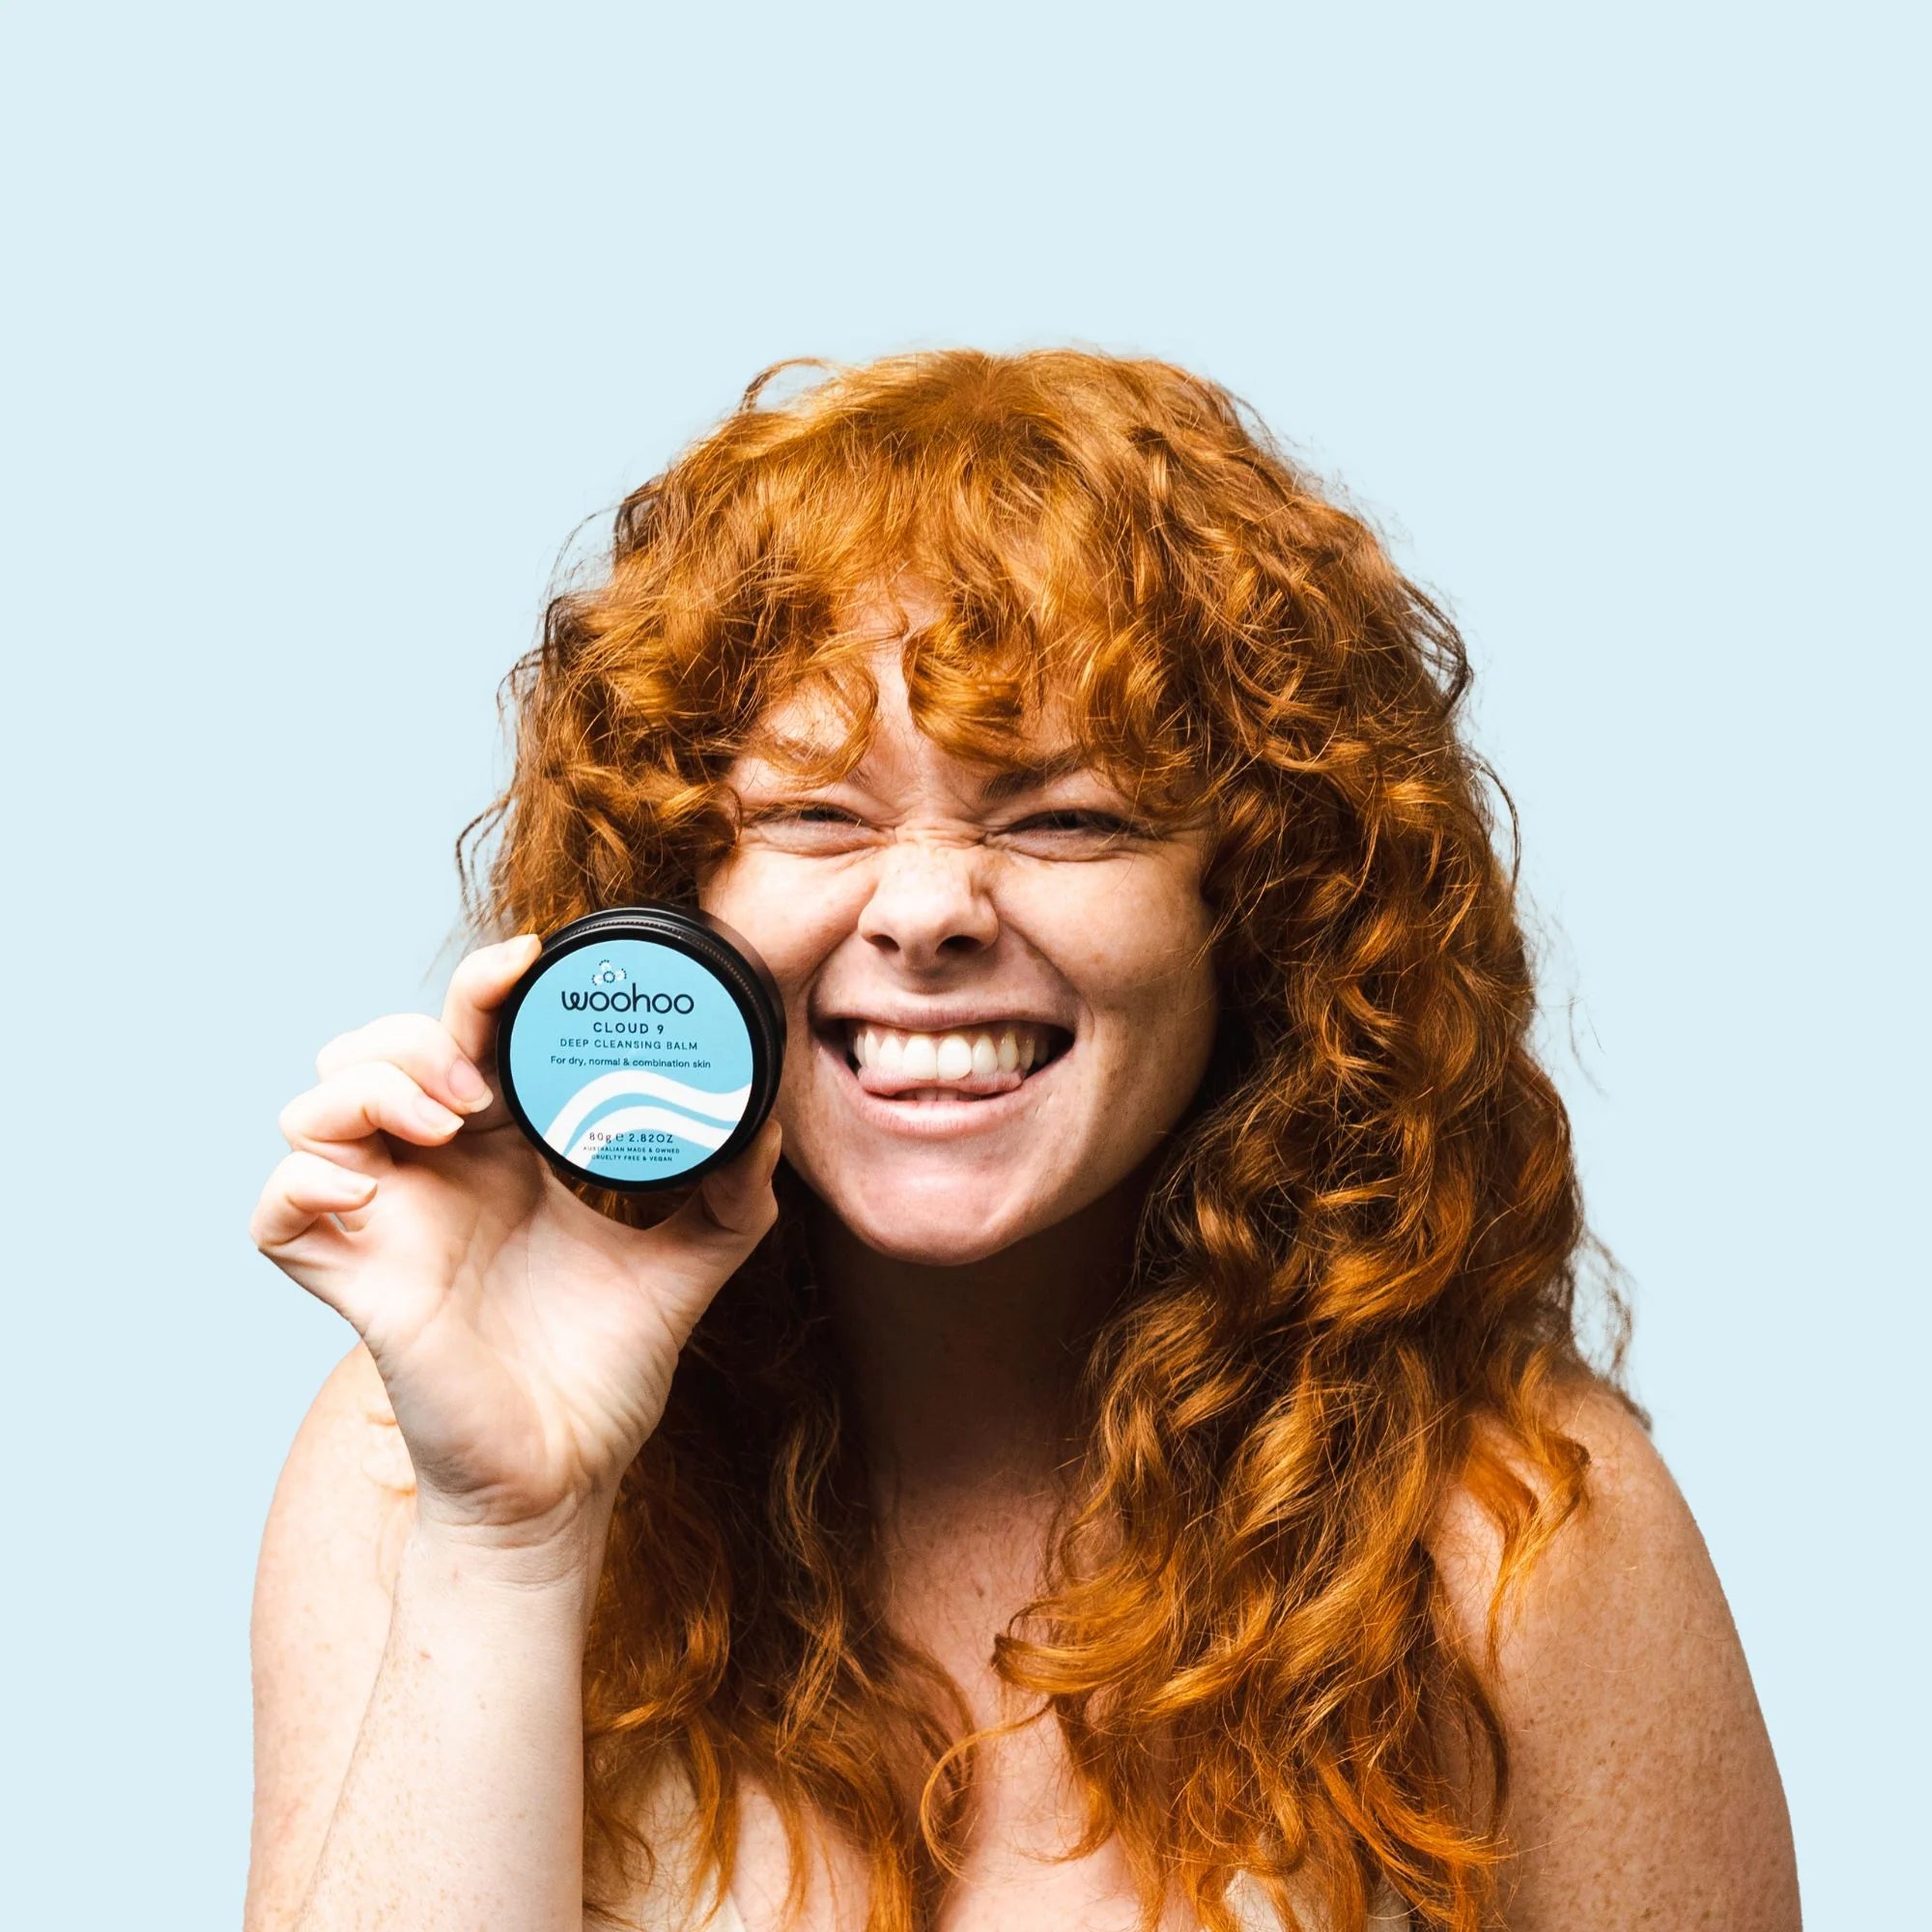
(1114, 932)
(781, 904)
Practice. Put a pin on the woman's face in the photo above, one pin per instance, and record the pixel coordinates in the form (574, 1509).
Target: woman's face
(932, 932)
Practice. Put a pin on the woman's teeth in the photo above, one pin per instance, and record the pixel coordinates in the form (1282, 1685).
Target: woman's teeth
(991, 1059)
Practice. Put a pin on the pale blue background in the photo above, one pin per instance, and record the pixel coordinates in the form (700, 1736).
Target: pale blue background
(330, 323)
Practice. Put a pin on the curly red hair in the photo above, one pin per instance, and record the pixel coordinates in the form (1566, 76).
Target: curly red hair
(1356, 1274)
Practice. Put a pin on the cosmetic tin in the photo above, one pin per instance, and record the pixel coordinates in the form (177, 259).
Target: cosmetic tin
(641, 1047)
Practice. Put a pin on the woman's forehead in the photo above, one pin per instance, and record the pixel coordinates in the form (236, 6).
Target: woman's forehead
(807, 728)
(783, 748)
(1022, 733)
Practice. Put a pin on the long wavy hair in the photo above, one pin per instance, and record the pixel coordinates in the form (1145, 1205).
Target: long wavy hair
(1357, 1269)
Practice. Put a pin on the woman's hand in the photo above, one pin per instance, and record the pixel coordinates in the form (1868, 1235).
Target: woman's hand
(527, 1342)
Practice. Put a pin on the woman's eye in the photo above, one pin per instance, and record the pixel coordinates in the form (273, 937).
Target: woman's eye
(806, 828)
(784, 816)
(1078, 821)
(1087, 826)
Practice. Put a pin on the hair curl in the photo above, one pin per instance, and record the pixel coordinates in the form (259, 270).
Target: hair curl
(1356, 1272)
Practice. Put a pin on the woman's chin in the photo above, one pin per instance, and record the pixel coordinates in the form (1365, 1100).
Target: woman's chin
(937, 1226)
(961, 1250)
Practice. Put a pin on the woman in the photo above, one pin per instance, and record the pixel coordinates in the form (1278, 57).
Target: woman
(1154, 1481)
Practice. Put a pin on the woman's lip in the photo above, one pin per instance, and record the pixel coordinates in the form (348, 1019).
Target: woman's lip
(933, 1119)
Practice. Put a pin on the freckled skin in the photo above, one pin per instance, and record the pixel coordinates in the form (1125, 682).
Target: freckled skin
(1644, 1788)
(933, 894)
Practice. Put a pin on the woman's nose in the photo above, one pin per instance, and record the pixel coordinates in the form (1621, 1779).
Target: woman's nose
(929, 904)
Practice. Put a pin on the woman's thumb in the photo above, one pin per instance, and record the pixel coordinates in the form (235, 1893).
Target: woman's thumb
(709, 1235)
(734, 1203)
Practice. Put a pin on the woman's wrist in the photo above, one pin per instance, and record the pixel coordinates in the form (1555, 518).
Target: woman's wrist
(550, 1565)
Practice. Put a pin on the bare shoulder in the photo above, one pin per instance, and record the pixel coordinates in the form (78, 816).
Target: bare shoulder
(1643, 1786)
(323, 1580)
(1630, 1494)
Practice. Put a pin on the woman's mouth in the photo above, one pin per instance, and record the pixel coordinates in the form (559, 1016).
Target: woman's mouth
(969, 1076)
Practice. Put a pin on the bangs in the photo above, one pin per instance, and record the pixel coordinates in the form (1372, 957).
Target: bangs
(1029, 617)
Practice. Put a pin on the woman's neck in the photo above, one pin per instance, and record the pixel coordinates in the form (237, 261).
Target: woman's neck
(963, 1377)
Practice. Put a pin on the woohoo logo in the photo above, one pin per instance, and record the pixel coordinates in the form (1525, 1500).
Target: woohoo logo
(609, 994)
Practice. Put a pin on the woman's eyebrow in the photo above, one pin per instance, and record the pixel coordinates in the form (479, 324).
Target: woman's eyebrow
(1034, 773)
(786, 756)
(1009, 782)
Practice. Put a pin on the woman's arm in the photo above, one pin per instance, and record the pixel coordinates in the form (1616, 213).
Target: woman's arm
(1644, 1788)
(418, 1710)
(464, 1801)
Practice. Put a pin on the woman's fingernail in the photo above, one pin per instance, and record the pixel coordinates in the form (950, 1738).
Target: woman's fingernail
(468, 1085)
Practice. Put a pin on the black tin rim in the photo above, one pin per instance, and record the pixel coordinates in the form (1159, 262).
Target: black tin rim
(732, 961)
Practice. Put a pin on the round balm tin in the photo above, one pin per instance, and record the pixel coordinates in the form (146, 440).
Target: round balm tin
(641, 1047)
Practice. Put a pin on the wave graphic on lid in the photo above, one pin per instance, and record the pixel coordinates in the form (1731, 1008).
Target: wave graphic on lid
(639, 1082)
